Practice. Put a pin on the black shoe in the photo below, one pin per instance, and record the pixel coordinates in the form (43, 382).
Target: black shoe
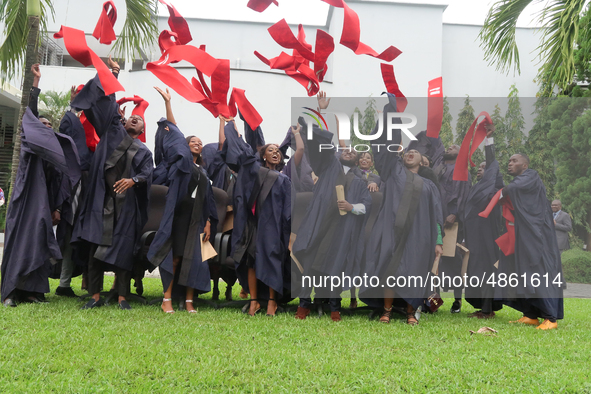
(124, 305)
(9, 302)
(65, 292)
(229, 293)
(93, 304)
(456, 306)
(139, 287)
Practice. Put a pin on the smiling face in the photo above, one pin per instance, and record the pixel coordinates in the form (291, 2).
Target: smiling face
(517, 164)
(272, 155)
(195, 145)
(365, 161)
(556, 205)
(480, 171)
(134, 125)
(348, 158)
(412, 158)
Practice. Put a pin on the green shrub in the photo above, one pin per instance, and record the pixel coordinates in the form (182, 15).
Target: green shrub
(576, 266)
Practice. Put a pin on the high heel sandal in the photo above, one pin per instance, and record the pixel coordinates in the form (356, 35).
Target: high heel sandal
(257, 310)
(166, 300)
(385, 318)
(276, 307)
(190, 311)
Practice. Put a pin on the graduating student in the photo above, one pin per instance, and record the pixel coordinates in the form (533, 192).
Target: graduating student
(73, 258)
(430, 147)
(453, 198)
(115, 206)
(327, 241)
(406, 235)
(221, 176)
(262, 217)
(481, 233)
(49, 168)
(189, 212)
(534, 252)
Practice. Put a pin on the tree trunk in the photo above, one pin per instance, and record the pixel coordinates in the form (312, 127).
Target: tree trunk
(30, 59)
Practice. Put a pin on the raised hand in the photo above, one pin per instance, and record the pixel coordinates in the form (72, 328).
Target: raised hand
(36, 71)
(296, 129)
(113, 65)
(322, 100)
(165, 95)
(490, 129)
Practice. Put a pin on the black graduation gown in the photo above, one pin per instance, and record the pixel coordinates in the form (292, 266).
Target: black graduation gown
(217, 169)
(117, 232)
(481, 233)
(327, 242)
(174, 161)
(536, 250)
(300, 175)
(29, 238)
(418, 253)
(264, 235)
(190, 217)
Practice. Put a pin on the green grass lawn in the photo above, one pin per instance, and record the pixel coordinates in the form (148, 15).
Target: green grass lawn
(57, 348)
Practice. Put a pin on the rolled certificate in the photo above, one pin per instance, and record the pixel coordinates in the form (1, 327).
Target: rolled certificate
(340, 197)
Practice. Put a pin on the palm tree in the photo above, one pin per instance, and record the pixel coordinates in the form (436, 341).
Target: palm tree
(560, 29)
(22, 20)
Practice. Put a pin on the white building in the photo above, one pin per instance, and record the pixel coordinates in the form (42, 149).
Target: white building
(430, 49)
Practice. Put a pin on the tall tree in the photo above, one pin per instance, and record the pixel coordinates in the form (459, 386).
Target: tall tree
(465, 119)
(539, 146)
(446, 133)
(570, 133)
(22, 20)
(511, 136)
(560, 22)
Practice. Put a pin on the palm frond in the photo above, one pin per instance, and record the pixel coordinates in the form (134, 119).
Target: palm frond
(140, 29)
(557, 49)
(497, 35)
(13, 14)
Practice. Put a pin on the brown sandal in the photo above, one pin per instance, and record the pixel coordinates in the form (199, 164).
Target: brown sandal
(411, 319)
(385, 318)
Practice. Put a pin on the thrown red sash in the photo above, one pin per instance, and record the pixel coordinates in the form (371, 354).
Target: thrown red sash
(178, 24)
(260, 5)
(92, 138)
(475, 136)
(173, 79)
(435, 107)
(392, 86)
(506, 241)
(75, 42)
(297, 65)
(139, 110)
(351, 34)
(104, 28)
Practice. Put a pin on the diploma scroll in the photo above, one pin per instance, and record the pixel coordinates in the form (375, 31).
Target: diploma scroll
(340, 197)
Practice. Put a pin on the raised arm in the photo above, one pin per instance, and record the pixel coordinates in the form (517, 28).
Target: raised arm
(386, 161)
(299, 153)
(167, 96)
(221, 135)
(100, 110)
(489, 145)
(34, 94)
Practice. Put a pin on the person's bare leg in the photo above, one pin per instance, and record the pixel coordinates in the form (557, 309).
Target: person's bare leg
(189, 300)
(272, 305)
(252, 285)
(388, 301)
(167, 305)
(410, 315)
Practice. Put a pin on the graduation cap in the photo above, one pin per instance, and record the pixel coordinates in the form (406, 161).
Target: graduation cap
(139, 110)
